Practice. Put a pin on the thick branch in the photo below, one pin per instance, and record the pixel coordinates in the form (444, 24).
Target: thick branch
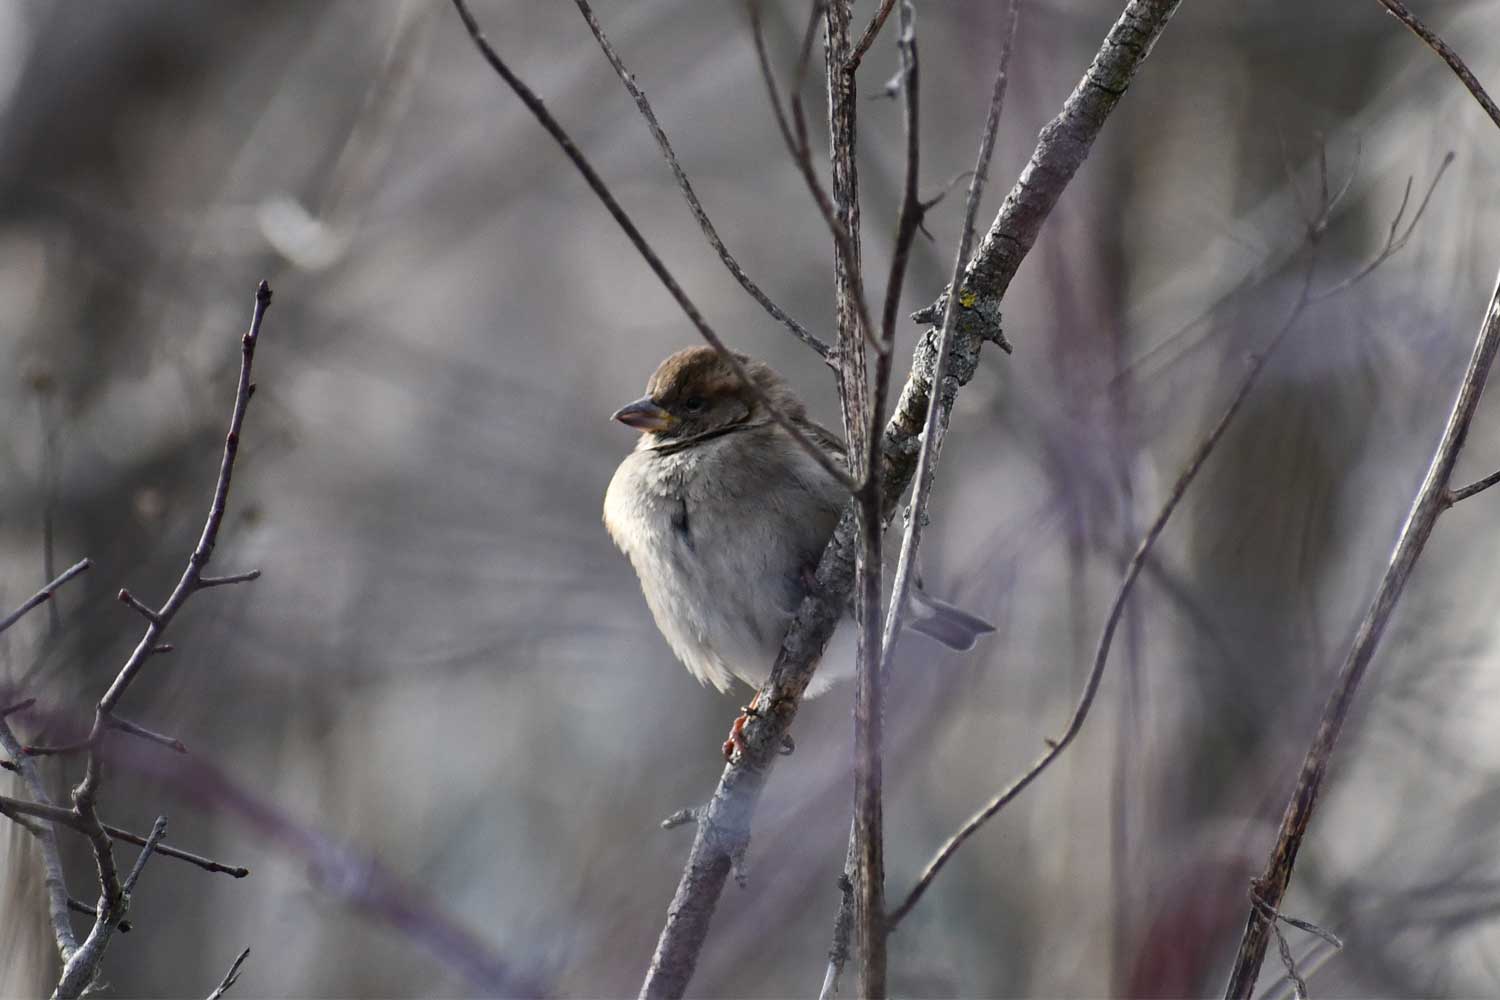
(724, 826)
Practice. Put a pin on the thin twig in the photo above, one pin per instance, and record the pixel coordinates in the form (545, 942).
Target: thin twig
(694, 205)
(82, 967)
(877, 21)
(150, 735)
(168, 851)
(1454, 496)
(648, 254)
(1442, 48)
(1393, 242)
(1116, 612)
(231, 977)
(798, 146)
(42, 809)
(1270, 887)
(45, 594)
(204, 582)
(724, 824)
(158, 831)
(53, 876)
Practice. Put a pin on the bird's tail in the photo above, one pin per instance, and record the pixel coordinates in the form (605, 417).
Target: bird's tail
(953, 627)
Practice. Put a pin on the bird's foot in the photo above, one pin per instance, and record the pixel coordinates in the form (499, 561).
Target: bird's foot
(736, 741)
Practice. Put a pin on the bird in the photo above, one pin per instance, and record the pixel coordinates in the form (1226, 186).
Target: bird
(724, 515)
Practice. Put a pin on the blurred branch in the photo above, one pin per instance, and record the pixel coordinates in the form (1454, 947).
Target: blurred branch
(45, 594)
(644, 248)
(1316, 227)
(1431, 500)
(724, 824)
(694, 205)
(1112, 620)
(1442, 48)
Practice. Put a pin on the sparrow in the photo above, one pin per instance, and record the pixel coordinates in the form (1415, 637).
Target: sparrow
(724, 515)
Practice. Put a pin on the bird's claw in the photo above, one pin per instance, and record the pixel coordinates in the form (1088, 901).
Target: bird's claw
(736, 741)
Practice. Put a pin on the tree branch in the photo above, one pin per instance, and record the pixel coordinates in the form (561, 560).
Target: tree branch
(724, 824)
(1430, 501)
(931, 426)
(1442, 48)
(694, 205)
(45, 594)
(644, 248)
(82, 966)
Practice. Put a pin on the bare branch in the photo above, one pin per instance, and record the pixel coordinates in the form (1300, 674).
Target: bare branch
(158, 831)
(725, 823)
(82, 966)
(877, 21)
(1454, 496)
(126, 726)
(850, 291)
(1055, 747)
(649, 255)
(45, 594)
(931, 435)
(168, 851)
(694, 205)
(53, 877)
(140, 607)
(1270, 887)
(19, 706)
(231, 977)
(79, 906)
(1442, 48)
(1393, 242)
(204, 582)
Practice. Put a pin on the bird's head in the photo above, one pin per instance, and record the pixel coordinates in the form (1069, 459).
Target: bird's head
(694, 394)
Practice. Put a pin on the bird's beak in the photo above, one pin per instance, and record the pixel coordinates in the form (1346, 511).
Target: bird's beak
(644, 415)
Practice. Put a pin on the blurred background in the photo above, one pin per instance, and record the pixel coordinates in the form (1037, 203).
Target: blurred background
(442, 729)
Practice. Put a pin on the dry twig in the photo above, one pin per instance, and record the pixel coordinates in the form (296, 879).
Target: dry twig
(644, 248)
(1431, 500)
(694, 205)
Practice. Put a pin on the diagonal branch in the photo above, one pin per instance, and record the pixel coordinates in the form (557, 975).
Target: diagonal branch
(694, 205)
(1443, 49)
(648, 254)
(45, 594)
(724, 824)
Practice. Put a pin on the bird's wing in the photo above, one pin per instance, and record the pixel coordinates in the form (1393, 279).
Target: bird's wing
(823, 437)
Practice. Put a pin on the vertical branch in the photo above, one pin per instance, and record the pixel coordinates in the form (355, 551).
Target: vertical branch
(859, 424)
(1432, 499)
(723, 824)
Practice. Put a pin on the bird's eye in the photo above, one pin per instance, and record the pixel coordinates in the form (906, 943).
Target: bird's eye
(693, 404)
